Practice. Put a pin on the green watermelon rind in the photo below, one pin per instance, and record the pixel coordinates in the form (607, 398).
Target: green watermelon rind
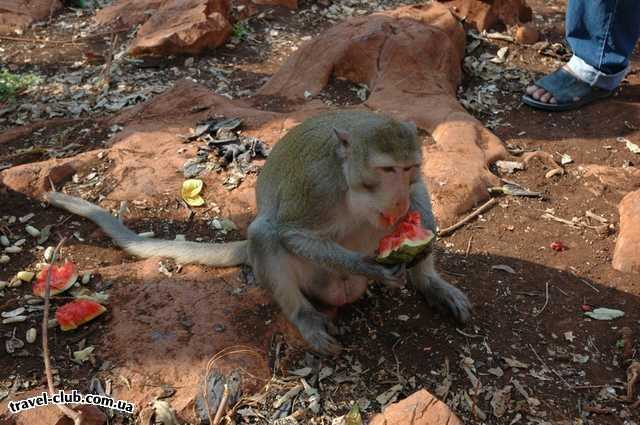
(405, 252)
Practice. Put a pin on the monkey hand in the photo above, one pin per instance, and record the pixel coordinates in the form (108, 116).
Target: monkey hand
(392, 276)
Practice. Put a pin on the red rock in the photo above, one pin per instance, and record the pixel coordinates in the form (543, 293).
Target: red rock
(184, 26)
(127, 13)
(19, 14)
(485, 14)
(34, 178)
(625, 256)
(410, 59)
(527, 34)
(420, 408)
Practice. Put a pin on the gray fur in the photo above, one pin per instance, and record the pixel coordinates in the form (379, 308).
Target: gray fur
(220, 255)
(312, 235)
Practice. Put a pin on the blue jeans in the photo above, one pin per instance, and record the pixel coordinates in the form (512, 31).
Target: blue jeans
(602, 35)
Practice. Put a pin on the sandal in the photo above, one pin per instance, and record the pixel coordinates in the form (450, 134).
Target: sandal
(564, 87)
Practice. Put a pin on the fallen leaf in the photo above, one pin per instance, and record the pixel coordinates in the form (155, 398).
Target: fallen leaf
(496, 371)
(569, 336)
(500, 401)
(515, 363)
(191, 189)
(504, 268)
(604, 313)
(389, 396)
(83, 355)
(580, 358)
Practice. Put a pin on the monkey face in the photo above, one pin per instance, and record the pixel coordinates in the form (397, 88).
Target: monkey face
(381, 192)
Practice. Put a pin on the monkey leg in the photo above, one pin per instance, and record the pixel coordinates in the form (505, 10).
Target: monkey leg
(438, 292)
(277, 270)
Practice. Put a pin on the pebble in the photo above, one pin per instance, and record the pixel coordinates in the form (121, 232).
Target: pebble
(25, 276)
(15, 319)
(4, 240)
(26, 218)
(4, 259)
(31, 335)
(48, 253)
(32, 231)
(86, 277)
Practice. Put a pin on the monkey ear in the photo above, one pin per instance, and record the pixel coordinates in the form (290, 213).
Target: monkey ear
(344, 138)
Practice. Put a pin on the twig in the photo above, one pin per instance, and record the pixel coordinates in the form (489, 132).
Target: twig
(555, 372)
(484, 207)
(563, 292)
(498, 36)
(598, 410)
(589, 285)
(466, 254)
(69, 412)
(589, 387)
(105, 75)
(596, 217)
(461, 332)
(222, 405)
(36, 40)
(559, 220)
(546, 300)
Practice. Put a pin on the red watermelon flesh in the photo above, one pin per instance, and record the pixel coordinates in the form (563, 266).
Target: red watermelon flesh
(408, 240)
(62, 278)
(78, 312)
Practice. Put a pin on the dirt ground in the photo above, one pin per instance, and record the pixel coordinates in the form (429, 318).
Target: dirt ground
(531, 313)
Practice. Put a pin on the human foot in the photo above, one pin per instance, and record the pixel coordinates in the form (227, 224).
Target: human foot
(561, 91)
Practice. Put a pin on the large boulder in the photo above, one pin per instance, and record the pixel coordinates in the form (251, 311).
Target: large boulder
(184, 26)
(420, 408)
(170, 26)
(626, 257)
(16, 15)
(410, 59)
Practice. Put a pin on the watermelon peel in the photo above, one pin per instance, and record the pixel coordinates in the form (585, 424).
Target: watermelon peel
(78, 312)
(62, 278)
(407, 242)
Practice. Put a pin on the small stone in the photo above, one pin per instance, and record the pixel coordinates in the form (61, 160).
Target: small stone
(32, 231)
(13, 249)
(25, 276)
(527, 34)
(4, 240)
(4, 259)
(48, 253)
(31, 335)
(86, 277)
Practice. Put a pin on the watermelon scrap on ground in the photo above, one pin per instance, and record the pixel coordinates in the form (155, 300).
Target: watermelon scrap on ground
(407, 241)
(62, 278)
(78, 312)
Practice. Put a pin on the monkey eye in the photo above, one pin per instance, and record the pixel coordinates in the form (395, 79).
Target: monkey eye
(409, 168)
(369, 186)
(388, 169)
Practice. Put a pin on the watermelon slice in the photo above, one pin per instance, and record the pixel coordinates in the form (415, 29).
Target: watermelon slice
(407, 241)
(78, 312)
(62, 278)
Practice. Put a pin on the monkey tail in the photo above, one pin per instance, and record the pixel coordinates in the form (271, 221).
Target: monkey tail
(213, 254)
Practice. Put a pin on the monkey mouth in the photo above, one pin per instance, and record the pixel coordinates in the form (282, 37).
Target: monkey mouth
(388, 220)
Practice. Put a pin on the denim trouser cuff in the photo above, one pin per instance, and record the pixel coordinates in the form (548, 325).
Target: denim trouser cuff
(592, 76)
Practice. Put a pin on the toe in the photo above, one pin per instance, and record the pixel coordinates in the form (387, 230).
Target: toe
(545, 97)
(531, 89)
(538, 93)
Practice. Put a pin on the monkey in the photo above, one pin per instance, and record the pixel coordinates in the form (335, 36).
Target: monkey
(329, 191)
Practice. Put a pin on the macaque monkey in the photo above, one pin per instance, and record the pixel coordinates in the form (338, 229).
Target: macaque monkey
(330, 190)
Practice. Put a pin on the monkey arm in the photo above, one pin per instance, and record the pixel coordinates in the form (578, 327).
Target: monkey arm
(421, 202)
(331, 255)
